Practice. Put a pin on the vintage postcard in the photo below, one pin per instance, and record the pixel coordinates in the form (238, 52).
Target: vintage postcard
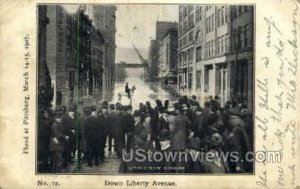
(149, 94)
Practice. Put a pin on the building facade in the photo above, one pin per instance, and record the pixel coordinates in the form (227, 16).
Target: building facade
(120, 72)
(162, 28)
(185, 47)
(56, 48)
(215, 52)
(168, 57)
(153, 60)
(97, 61)
(45, 90)
(72, 51)
(104, 20)
(240, 56)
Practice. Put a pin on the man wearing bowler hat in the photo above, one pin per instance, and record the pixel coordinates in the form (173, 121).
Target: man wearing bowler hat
(103, 119)
(57, 142)
(69, 123)
(93, 137)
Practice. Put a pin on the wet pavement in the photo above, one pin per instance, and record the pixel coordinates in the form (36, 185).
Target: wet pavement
(144, 92)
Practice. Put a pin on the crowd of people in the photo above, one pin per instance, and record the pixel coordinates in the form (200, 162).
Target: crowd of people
(66, 135)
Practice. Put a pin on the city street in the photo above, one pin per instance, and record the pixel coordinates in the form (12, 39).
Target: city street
(116, 76)
(144, 92)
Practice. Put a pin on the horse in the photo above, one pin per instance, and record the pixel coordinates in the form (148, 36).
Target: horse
(120, 95)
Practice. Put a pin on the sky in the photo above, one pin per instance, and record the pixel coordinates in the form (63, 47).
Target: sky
(136, 24)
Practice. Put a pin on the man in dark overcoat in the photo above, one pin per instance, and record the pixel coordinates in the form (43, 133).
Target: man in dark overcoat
(93, 134)
(103, 119)
(69, 123)
(57, 143)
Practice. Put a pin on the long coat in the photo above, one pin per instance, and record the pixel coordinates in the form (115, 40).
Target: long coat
(82, 120)
(103, 118)
(127, 121)
(117, 130)
(93, 131)
(69, 124)
(116, 127)
(163, 124)
(179, 132)
(57, 131)
(44, 134)
(240, 139)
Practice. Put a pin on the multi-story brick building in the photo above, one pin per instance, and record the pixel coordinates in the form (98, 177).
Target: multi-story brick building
(162, 28)
(104, 20)
(45, 90)
(97, 61)
(215, 52)
(185, 46)
(168, 57)
(56, 48)
(211, 75)
(74, 52)
(240, 55)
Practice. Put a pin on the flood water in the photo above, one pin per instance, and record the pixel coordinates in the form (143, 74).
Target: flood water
(144, 92)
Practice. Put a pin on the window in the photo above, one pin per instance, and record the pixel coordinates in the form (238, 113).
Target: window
(184, 11)
(242, 37)
(200, 13)
(219, 17)
(208, 24)
(191, 20)
(234, 12)
(209, 49)
(212, 47)
(190, 8)
(248, 35)
(226, 42)
(206, 49)
(222, 15)
(212, 22)
(191, 37)
(180, 15)
(198, 79)
(226, 15)
(190, 81)
(206, 80)
(198, 54)
(200, 37)
(235, 39)
(222, 44)
(206, 28)
(240, 10)
(218, 45)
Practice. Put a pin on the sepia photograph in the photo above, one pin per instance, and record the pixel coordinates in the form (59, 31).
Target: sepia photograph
(123, 92)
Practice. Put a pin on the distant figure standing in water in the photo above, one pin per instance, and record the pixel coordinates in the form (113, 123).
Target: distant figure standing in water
(127, 90)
